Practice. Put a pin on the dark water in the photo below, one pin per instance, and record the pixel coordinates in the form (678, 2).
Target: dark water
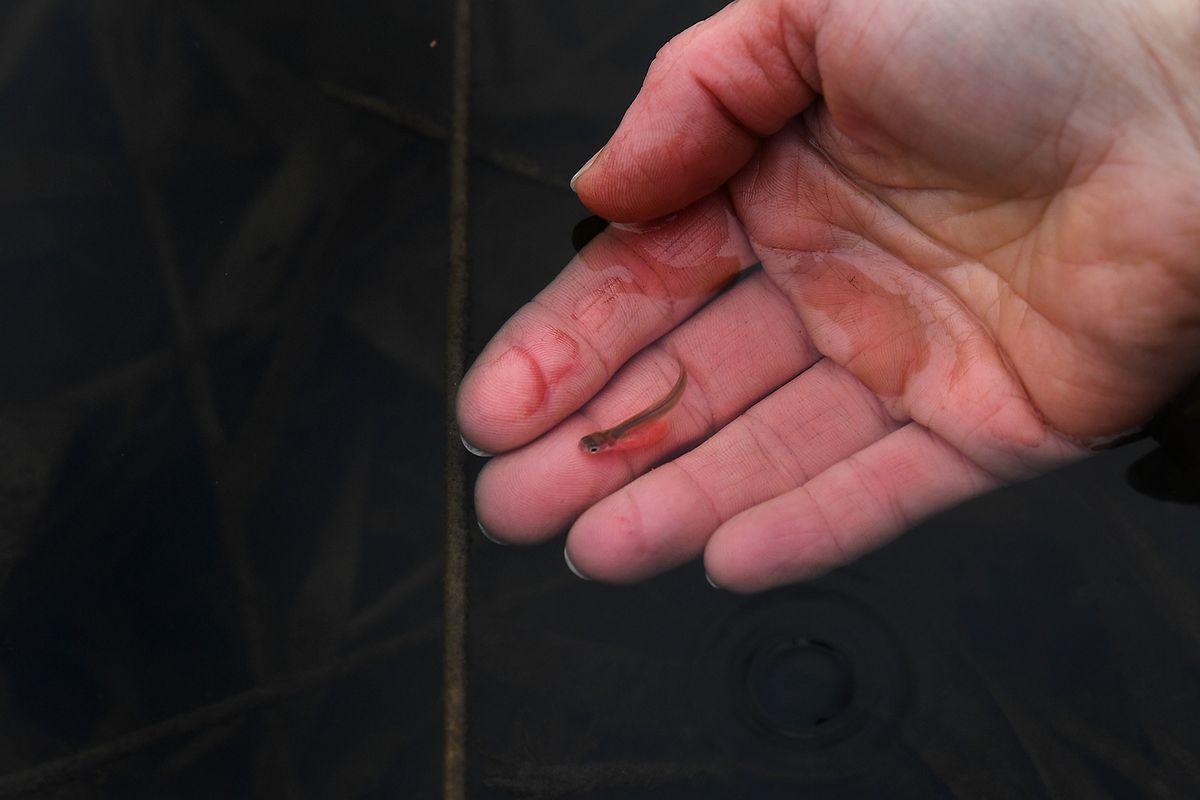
(222, 504)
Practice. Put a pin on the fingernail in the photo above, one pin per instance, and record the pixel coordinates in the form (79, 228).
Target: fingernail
(475, 451)
(570, 566)
(711, 582)
(483, 530)
(583, 169)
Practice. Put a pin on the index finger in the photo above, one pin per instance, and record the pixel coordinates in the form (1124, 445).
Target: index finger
(627, 288)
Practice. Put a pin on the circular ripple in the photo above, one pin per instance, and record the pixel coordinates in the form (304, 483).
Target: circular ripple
(794, 686)
(809, 679)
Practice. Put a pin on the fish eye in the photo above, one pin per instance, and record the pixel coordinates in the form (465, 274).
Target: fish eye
(593, 449)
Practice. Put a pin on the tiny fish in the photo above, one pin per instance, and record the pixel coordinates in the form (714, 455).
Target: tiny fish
(642, 428)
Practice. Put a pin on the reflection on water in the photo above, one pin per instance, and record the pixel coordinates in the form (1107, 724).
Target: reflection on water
(221, 479)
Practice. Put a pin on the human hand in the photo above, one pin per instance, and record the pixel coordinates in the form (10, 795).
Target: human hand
(979, 242)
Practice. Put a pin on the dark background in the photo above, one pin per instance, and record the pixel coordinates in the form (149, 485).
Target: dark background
(224, 239)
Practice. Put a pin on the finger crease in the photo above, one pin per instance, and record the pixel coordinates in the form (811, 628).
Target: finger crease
(714, 514)
(792, 469)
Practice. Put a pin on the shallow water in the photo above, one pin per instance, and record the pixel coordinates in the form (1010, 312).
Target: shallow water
(223, 485)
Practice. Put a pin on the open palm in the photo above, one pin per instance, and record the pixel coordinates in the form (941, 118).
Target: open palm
(979, 230)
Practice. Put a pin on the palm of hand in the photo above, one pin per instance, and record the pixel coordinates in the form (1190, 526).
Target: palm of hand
(921, 316)
(1049, 188)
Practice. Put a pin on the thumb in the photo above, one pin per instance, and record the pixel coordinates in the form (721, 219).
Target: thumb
(712, 93)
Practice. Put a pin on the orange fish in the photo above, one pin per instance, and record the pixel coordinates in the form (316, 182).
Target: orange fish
(644, 427)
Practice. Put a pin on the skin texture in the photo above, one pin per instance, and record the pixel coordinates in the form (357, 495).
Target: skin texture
(979, 225)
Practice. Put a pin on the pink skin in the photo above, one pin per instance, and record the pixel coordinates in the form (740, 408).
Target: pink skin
(978, 226)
